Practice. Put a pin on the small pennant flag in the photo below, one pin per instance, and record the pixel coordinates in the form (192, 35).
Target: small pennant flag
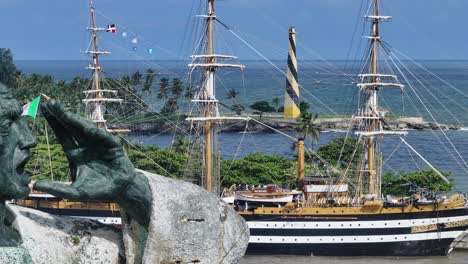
(111, 28)
(150, 51)
(135, 40)
(30, 109)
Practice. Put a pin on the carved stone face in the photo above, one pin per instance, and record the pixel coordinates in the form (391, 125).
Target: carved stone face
(15, 143)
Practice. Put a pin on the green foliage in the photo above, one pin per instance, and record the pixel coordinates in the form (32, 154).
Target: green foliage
(8, 70)
(263, 106)
(404, 184)
(258, 169)
(40, 167)
(177, 88)
(275, 102)
(163, 92)
(165, 162)
(304, 106)
(232, 94)
(136, 78)
(306, 127)
(172, 92)
(341, 149)
(237, 108)
(149, 80)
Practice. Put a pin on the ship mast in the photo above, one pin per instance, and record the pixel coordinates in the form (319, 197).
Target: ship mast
(371, 126)
(209, 94)
(96, 96)
(208, 103)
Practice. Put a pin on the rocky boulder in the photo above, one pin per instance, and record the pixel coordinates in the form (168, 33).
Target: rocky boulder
(60, 239)
(188, 225)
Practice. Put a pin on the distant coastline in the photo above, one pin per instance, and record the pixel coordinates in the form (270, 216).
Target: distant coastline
(324, 124)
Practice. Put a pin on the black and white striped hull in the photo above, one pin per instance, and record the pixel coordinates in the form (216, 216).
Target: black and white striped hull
(405, 234)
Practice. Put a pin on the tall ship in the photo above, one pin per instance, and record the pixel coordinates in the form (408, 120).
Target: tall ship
(96, 99)
(341, 215)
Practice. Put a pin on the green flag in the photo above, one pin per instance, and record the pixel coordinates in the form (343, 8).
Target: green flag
(30, 109)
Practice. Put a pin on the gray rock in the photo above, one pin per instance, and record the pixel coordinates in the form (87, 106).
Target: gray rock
(14, 255)
(52, 239)
(461, 242)
(188, 225)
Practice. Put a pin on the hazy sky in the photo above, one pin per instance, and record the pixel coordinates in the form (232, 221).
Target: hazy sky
(55, 29)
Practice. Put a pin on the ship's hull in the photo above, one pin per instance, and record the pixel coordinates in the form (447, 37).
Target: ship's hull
(403, 234)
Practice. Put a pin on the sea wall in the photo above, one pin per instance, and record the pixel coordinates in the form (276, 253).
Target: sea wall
(285, 125)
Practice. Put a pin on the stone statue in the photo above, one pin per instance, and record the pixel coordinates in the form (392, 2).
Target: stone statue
(15, 143)
(30, 236)
(165, 220)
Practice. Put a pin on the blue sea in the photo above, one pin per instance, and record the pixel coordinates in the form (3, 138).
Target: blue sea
(437, 91)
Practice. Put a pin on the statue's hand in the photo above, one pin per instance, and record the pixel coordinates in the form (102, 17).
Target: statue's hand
(100, 170)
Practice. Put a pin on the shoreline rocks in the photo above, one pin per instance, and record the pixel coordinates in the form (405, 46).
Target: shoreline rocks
(285, 125)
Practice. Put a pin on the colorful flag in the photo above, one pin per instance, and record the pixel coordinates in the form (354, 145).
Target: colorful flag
(30, 109)
(135, 40)
(150, 50)
(111, 28)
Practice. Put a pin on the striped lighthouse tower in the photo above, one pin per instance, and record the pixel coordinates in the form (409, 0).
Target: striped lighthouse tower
(291, 97)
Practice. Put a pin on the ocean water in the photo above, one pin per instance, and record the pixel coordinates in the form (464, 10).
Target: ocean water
(439, 95)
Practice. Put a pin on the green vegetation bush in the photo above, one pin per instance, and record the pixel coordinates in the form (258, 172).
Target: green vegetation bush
(404, 184)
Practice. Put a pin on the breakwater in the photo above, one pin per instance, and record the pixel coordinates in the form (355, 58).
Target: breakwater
(266, 123)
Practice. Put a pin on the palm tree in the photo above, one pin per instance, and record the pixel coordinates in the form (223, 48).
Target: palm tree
(150, 76)
(136, 78)
(163, 92)
(232, 93)
(177, 87)
(305, 126)
(275, 102)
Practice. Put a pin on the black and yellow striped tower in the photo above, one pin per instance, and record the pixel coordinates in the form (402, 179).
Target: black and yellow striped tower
(291, 97)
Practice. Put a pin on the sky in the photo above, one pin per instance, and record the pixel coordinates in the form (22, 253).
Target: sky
(326, 29)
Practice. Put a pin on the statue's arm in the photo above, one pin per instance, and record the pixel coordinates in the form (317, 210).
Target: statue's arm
(57, 189)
